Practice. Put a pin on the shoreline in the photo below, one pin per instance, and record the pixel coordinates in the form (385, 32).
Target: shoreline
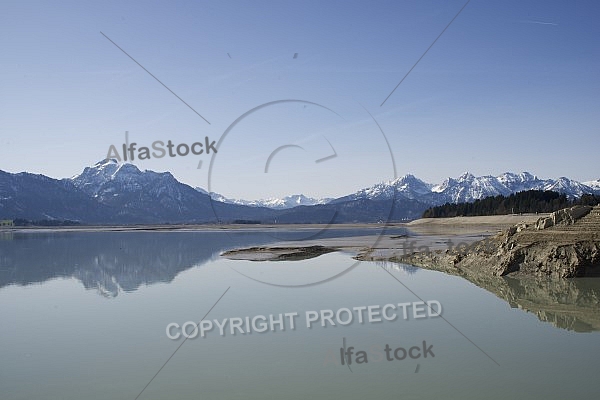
(198, 227)
(569, 304)
(564, 244)
(435, 234)
(422, 226)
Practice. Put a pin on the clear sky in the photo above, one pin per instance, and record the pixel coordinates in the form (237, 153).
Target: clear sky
(510, 86)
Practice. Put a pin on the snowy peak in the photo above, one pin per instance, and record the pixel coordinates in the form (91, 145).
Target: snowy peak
(510, 177)
(379, 191)
(449, 182)
(468, 187)
(519, 182)
(407, 186)
(570, 187)
(274, 203)
(92, 179)
(593, 184)
(411, 186)
(294, 201)
(113, 192)
(108, 179)
(466, 177)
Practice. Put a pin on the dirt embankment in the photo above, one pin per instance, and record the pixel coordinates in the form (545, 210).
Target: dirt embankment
(565, 244)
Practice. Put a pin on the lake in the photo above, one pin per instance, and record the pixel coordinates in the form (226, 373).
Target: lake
(85, 315)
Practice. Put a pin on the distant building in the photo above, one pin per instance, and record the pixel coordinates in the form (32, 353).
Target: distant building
(6, 223)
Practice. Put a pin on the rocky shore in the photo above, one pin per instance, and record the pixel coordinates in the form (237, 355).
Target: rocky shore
(523, 263)
(565, 244)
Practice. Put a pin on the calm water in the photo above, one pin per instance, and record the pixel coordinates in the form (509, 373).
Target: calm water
(84, 315)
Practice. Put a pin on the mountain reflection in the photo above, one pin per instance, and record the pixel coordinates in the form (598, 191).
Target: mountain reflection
(112, 261)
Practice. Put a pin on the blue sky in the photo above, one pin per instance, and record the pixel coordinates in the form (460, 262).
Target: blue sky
(510, 86)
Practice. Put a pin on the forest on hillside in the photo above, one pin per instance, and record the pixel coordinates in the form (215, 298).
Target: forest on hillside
(530, 201)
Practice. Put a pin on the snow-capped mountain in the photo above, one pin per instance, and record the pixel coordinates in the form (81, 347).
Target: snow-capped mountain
(520, 182)
(411, 186)
(136, 194)
(468, 188)
(108, 179)
(569, 187)
(274, 203)
(111, 178)
(593, 184)
(119, 193)
(407, 186)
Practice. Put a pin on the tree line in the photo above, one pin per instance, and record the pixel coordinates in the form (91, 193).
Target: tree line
(530, 201)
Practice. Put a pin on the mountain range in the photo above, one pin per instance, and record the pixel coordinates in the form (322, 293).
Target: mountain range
(468, 188)
(271, 202)
(119, 193)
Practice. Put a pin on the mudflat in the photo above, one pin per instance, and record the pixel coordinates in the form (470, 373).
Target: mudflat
(462, 225)
(564, 244)
(432, 234)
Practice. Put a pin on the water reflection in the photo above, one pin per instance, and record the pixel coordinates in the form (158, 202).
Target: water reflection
(572, 304)
(111, 261)
(393, 266)
(123, 261)
(7, 235)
